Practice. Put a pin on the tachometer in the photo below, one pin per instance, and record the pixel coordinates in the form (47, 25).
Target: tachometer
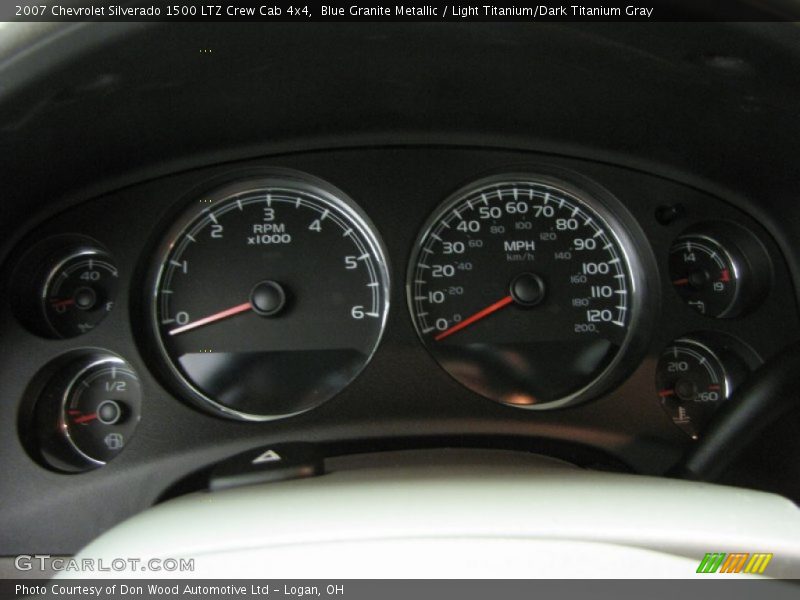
(270, 298)
(525, 289)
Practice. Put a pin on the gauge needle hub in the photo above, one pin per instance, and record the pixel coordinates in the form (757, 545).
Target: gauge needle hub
(481, 314)
(223, 314)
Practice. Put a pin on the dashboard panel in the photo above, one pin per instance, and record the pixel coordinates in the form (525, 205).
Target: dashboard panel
(675, 348)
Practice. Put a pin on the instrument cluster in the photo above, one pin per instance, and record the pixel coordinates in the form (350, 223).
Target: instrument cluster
(260, 293)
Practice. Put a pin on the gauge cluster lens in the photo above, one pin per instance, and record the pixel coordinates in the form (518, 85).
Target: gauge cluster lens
(522, 289)
(271, 297)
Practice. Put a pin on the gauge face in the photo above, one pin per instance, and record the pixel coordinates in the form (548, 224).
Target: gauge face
(691, 381)
(79, 292)
(101, 409)
(87, 412)
(271, 298)
(705, 275)
(523, 291)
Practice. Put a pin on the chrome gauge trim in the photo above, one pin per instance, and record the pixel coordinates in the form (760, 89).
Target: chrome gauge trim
(65, 398)
(616, 221)
(265, 181)
(718, 247)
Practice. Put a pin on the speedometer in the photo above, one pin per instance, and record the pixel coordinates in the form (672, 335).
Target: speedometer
(270, 296)
(527, 289)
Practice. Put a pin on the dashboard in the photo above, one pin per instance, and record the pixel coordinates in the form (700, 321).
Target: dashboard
(364, 292)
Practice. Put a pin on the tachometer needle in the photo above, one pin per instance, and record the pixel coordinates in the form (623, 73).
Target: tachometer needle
(223, 314)
(476, 317)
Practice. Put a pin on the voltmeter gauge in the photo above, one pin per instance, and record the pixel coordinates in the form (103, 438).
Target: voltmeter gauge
(719, 270)
(88, 412)
(693, 378)
(705, 275)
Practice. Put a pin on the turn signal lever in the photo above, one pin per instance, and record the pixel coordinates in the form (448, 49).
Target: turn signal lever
(769, 393)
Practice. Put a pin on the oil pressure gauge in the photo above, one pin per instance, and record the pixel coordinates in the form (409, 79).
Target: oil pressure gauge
(65, 287)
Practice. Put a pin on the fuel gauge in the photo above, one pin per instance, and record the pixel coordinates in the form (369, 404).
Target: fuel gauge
(88, 412)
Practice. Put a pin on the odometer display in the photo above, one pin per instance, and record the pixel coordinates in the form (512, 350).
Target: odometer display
(522, 290)
(270, 298)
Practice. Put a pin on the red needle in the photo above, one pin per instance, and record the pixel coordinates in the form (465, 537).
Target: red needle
(665, 393)
(476, 317)
(67, 302)
(223, 314)
(85, 418)
(683, 281)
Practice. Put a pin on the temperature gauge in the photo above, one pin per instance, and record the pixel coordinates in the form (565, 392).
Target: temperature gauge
(692, 380)
(88, 412)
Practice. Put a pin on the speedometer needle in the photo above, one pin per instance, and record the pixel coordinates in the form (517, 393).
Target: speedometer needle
(223, 314)
(476, 317)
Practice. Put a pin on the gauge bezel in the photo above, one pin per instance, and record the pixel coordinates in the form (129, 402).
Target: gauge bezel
(625, 232)
(63, 427)
(221, 191)
(52, 273)
(737, 271)
(687, 341)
